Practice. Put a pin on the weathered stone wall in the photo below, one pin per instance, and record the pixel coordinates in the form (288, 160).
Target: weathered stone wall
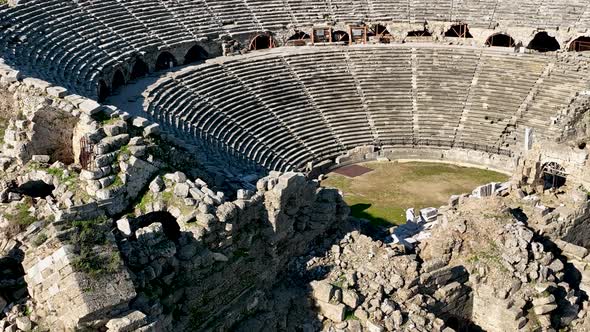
(224, 256)
(66, 296)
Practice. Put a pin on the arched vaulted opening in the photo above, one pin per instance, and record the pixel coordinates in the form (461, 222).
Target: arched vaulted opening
(103, 91)
(419, 33)
(380, 33)
(500, 40)
(261, 42)
(458, 31)
(299, 38)
(165, 61)
(118, 80)
(299, 35)
(195, 54)
(554, 176)
(580, 44)
(341, 36)
(35, 189)
(140, 69)
(169, 223)
(544, 43)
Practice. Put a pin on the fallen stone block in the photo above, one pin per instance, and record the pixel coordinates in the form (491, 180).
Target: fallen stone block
(41, 158)
(322, 290)
(334, 312)
(127, 323)
(89, 107)
(57, 91)
(545, 309)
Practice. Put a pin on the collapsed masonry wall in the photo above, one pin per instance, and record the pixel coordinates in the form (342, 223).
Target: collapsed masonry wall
(209, 275)
(225, 257)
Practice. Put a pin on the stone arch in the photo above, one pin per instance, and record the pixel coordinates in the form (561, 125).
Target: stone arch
(102, 91)
(168, 221)
(195, 54)
(542, 42)
(500, 40)
(553, 175)
(341, 36)
(580, 44)
(460, 30)
(165, 61)
(261, 42)
(118, 80)
(140, 69)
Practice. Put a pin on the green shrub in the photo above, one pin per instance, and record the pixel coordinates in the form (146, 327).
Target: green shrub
(40, 239)
(95, 257)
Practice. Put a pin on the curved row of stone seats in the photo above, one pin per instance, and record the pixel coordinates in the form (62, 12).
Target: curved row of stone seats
(309, 11)
(503, 83)
(584, 21)
(229, 96)
(118, 19)
(350, 11)
(159, 21)
(560, 84)
(272, 14)
(195, 16)
(58, 43)
(312, 105)
(443, 82)
(275, 87)
(234, 15)
(332, 89)
(177, 108)
(466, 10)
(385, 79)
(106, 34)
(423, 10)
(542, 14)
(385, 10)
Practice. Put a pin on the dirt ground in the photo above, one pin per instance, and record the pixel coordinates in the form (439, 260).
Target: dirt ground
(383, 195)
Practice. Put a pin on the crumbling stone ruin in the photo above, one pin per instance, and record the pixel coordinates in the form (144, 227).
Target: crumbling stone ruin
(196, 204)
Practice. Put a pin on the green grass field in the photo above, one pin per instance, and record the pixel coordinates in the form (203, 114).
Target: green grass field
(383, 195)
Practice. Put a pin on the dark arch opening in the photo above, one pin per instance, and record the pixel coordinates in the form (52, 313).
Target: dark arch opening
(169, 223)
(544, 43)
(140, 69)
(118, 81)
(458, 31)
(500, 40)
(165, 61)
(341, 36)
(419, 33)
(35, 189)
(261, 42)
(580, 44)
(194, 54)
(381, 33)
(299, 35)
(103, 91)
(554, 176)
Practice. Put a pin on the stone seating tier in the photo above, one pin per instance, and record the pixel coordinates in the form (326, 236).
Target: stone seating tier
(313, 105)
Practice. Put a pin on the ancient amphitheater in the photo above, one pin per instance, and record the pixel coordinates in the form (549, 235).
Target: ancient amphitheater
(166, 165)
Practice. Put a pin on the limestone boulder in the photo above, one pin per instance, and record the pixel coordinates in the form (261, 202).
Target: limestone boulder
(334, 312)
